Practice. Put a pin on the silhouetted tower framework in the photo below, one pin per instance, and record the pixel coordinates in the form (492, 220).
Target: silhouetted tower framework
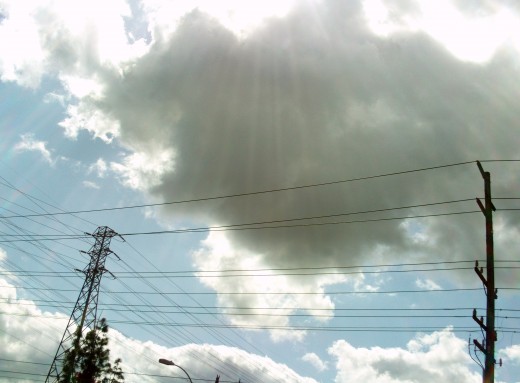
(84, 314)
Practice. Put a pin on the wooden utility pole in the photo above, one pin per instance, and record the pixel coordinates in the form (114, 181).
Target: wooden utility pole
(488, 345)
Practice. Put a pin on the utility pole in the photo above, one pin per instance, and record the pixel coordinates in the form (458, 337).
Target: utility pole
(84, 314)
(487, 347)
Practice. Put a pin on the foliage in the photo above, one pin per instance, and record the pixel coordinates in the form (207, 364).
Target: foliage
(88, 360)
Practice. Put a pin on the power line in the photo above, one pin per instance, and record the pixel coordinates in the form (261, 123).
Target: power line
(45, 239)
(222, 338)
(163, 337)
(276, 293)
(201, 199)
(406, 329)
(33, 199)
(196, 274)
(317, 268)
(307, 218)
(106, 304)
(319, 216)
(289, 327)
(23, 373)
(256, 314)
(21, 361)
(174, 338)
(124, 372)
(240, 227)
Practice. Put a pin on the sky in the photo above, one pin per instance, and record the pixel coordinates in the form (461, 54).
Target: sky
(294, 184)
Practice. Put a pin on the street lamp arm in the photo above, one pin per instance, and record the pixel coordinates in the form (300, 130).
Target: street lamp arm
(184, 372)
(170, 363)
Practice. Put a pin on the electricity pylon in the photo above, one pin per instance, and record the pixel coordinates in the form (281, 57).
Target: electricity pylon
(84, 314)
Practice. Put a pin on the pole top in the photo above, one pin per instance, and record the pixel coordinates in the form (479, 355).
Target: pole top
(482, 172)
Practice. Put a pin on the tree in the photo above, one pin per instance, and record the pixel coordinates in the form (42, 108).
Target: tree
(88, 360)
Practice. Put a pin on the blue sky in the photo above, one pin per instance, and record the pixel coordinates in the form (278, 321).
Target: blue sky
(152, 102)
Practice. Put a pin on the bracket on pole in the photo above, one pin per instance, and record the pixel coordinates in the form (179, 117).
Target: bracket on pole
(480, 274)
(479, 346)
(479, 321)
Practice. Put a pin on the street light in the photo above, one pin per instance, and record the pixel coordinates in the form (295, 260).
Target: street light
(170, 363)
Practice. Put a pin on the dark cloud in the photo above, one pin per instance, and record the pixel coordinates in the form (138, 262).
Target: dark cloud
(310, 98)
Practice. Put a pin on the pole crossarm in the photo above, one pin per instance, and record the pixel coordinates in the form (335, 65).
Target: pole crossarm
(84, 314)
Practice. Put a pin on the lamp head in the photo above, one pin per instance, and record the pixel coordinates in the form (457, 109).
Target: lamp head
(167, 362)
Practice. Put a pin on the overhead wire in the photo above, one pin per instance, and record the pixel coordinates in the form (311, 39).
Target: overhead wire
(239, 313)
(174, 333)
(237, 227)
(243, 226)
(165, 335)
(192, 340)
(258, 192)
(42, 302)
(33, 199)
(309, 186)
(54, 218)
(321, 328)
(197, 320)
(316, 269)
(293, 293)
(218, 274)
(274, 190)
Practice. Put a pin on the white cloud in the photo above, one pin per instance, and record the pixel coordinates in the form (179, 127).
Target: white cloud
(202, 362)
(511, 353)
(68, 38)
(30, 334)
(438, 357)
(360, 284)
(99, 167)
(469, 36)
(21, 54)
(218, 254)
(427, 284)
(91, 185)
(315, 361)
(143, 170)
(239, 17)
(474, 39)
(5, 272)
(85, 117)
(29, 144)
(51, 97)
(27, 334)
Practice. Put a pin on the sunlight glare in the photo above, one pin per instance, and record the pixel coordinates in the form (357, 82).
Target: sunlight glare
(469, 39)
(472, 39)
(243, 16)
(240, 17)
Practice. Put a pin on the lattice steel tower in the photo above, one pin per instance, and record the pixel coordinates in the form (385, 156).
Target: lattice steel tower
(84, 314)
